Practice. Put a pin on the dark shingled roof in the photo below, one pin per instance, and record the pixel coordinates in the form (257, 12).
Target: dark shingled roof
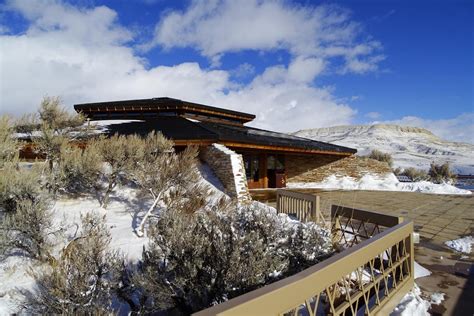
(178, 128)
(148, 108)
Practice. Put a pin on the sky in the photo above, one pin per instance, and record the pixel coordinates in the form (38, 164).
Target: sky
(294, 64)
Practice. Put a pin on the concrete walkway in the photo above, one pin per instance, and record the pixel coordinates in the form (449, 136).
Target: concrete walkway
(438, 218)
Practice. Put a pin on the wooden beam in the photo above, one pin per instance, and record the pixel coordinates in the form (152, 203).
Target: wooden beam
(282, 149)
(149, 108)
(197, 142)
(263, 170)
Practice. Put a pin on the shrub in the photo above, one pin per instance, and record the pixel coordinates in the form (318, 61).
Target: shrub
(415, 174)
(397, 171)
(56, 127)
(441, 173)
(163, 174)
(381, 156)
(79, 169)
(28, 229)
(119, 153)
(82, 280)
(199, 259)
(18, 184)
(9, 146)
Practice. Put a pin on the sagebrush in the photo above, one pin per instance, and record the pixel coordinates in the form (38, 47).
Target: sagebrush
(206, 257)
(82, 280)
(381, 156)
(440, 173)
(29, 229)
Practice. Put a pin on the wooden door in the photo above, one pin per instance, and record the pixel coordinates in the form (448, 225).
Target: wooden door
(255, 170)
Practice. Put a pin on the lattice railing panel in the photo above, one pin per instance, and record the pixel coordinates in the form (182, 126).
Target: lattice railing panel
(365, 289)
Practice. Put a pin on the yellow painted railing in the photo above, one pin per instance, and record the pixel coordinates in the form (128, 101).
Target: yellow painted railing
(370, 274)
(304, 207)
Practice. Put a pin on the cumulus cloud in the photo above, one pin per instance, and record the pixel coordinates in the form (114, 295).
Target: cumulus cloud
(281, 103)
(243, 70)
(220, 26)
(459, 128)
(373, 115)
(84, 55)
(81, 54)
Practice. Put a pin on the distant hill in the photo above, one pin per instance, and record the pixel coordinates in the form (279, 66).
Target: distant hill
(409, 146)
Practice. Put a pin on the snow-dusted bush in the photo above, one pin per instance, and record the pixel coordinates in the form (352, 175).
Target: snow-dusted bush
(119, 153)
(18, 184)
(81, 281)
(28, 229)
(198, 259)
(8, 144)
(381, 156)
(50, 130)
(161, 173)
(79, 169)
(415, 174)
(441, 173)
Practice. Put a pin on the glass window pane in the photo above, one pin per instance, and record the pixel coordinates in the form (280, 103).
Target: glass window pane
(280, 162)
(255, 169)
(271, 162)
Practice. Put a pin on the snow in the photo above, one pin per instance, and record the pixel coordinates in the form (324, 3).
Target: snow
(121, 216)
(420, 271)
(377, 183)
(437, 298)
(412, 304)
(463, 245)
(100, 126)
(14, 280)
(409, 146)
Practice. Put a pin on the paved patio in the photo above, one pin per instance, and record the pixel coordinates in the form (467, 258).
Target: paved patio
(438, 218)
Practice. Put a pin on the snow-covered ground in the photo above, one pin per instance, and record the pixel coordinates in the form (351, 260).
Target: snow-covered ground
(373, 182)
(420, 271)
(409, 146)
(463, 245)
(122, 216)
(416, 303)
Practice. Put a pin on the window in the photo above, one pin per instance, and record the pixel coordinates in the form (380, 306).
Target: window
(255, 168)
(252, 167)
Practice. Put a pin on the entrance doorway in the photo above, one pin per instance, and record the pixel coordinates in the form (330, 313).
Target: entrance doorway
(254, 170)
(264, 170)
(276, 171)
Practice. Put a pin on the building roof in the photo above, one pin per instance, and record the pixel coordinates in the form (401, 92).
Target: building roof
(183, 130)
(156, 107)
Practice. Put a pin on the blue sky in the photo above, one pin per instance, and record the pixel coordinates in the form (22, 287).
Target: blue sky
(295, 65)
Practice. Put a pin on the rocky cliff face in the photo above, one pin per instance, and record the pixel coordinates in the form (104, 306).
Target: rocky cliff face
(409, 146)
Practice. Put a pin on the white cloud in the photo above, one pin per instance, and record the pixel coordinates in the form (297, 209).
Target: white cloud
(305, 69)
(55, 56)
(460, 128)
(81, 54)
(373, 115)
(281, 103)
(243, 70)
(220, 26)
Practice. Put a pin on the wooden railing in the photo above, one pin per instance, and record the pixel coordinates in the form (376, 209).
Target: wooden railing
(369, 276)
(304, 207)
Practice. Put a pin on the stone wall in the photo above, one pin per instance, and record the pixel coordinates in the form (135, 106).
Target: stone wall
(317, 168)
(229, 168)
